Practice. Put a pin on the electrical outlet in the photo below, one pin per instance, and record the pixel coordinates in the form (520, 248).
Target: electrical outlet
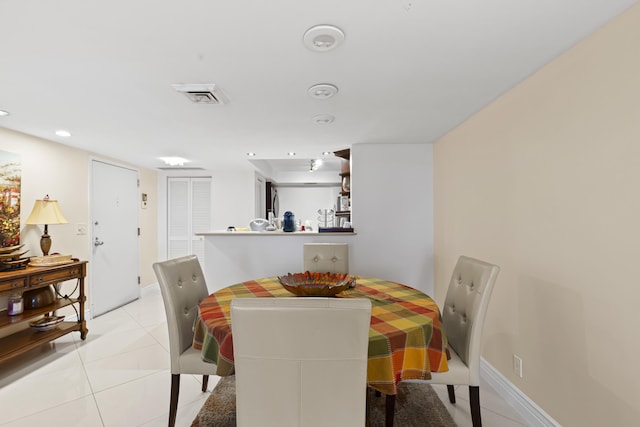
(517, 365)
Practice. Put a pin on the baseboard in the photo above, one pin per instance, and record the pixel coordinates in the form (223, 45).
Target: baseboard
(525, 407)
(74, 317)
(146, 291)
(149, 290)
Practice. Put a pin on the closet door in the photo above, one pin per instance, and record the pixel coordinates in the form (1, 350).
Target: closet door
(189, 212)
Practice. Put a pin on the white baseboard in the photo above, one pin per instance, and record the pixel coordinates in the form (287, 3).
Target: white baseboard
(533, 414)
(74, 317)
(149, 290)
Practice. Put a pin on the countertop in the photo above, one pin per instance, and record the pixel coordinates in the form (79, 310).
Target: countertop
(273, 233)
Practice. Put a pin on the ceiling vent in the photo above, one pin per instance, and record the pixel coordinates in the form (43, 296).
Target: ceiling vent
(202, 93)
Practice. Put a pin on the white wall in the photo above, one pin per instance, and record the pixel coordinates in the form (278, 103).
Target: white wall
(232, 200)
(304, 202)
(392, 212)
(393, 217)
(62, 172)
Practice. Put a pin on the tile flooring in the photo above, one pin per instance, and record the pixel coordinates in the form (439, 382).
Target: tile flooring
(119, 377)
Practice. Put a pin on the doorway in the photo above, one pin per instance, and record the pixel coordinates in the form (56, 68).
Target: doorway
(114, 237)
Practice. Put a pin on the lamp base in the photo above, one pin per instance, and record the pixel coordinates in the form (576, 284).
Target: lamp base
(45, 242)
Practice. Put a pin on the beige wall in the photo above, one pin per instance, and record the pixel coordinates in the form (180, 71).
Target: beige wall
(63, 173)
(545, 182)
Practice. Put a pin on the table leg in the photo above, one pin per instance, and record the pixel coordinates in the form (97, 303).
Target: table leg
(390, 407)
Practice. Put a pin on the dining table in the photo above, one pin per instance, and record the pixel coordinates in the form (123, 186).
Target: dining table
(406, 338)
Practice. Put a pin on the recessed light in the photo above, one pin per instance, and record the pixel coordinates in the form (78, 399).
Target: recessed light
(322, 91)
(3, 113)
(174, 161)
(323, 38)
(326, 153)
(323, 119)
(251, 154)
(63, 133)
(291, 153)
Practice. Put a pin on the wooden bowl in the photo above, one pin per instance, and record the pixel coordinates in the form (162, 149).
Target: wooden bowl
(310, 284)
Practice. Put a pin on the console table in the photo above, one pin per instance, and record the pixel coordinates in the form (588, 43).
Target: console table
(18, 281)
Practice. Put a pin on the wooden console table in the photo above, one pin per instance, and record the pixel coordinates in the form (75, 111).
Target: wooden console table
(38, 277)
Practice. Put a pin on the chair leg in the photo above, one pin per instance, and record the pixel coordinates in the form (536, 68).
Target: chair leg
(173, 404)
(474, 403)
(205, 382)
(452, 393)
(390, 409)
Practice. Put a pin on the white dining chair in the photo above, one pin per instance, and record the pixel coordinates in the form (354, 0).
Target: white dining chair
(326, 257)
(183, 287)
(300, 362)
(463, 316)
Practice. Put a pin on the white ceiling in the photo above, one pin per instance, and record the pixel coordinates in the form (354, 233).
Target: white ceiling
(408, 71)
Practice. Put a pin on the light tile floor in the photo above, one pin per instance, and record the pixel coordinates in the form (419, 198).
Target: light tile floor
(119, 377)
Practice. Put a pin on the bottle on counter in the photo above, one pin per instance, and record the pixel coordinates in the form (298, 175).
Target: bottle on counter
(15, 304)
(289, 222)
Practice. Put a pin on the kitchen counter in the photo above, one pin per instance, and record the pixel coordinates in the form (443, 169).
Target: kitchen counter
(232, 257)
(274, 233)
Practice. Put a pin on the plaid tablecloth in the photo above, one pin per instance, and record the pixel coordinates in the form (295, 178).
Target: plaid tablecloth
(405, 339)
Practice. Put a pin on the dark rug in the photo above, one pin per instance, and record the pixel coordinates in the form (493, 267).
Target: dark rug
(417, 405)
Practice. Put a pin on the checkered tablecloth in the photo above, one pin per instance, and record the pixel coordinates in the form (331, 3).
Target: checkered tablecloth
(406, 340)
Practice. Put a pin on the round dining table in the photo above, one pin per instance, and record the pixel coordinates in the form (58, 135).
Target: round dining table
(406, 339)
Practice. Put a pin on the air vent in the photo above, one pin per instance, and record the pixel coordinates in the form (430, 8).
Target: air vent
(202, 93)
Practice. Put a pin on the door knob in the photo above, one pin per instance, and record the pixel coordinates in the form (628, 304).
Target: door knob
(98, 242)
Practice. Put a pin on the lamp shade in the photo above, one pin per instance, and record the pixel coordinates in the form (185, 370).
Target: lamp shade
(46, 212)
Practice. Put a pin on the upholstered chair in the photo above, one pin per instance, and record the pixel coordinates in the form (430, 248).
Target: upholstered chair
(463, 316)
(300, 362)
(183, 287)
(326, 257)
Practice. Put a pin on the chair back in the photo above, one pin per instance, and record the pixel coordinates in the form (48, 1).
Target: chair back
(465, 308)
(183, 287)
(326, 257)
(300, 362)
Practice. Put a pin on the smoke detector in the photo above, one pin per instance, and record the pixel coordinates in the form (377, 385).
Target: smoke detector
(322, 91)
(323, 38)
(202, 93)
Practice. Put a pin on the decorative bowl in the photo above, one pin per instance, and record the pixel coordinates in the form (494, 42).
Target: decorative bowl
(310, 284)
(46, 323)
(39, 297)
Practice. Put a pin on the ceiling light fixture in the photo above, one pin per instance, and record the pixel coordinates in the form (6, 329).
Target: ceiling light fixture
(63, 133)
(322, 91)
(174, 161)
(291, 153)
(323, 38)
(326, 153)
(323, 119)
(251, 154)
(3, 113)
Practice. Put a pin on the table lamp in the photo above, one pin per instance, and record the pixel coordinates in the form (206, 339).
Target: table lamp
(46, 212)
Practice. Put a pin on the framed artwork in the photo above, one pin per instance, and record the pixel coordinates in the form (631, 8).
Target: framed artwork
(10, 178)
(344, 203)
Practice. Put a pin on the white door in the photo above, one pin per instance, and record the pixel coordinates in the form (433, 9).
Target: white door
(189, 212)
(114, 260)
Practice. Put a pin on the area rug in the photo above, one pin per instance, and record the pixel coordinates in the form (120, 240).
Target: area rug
(417, 405)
